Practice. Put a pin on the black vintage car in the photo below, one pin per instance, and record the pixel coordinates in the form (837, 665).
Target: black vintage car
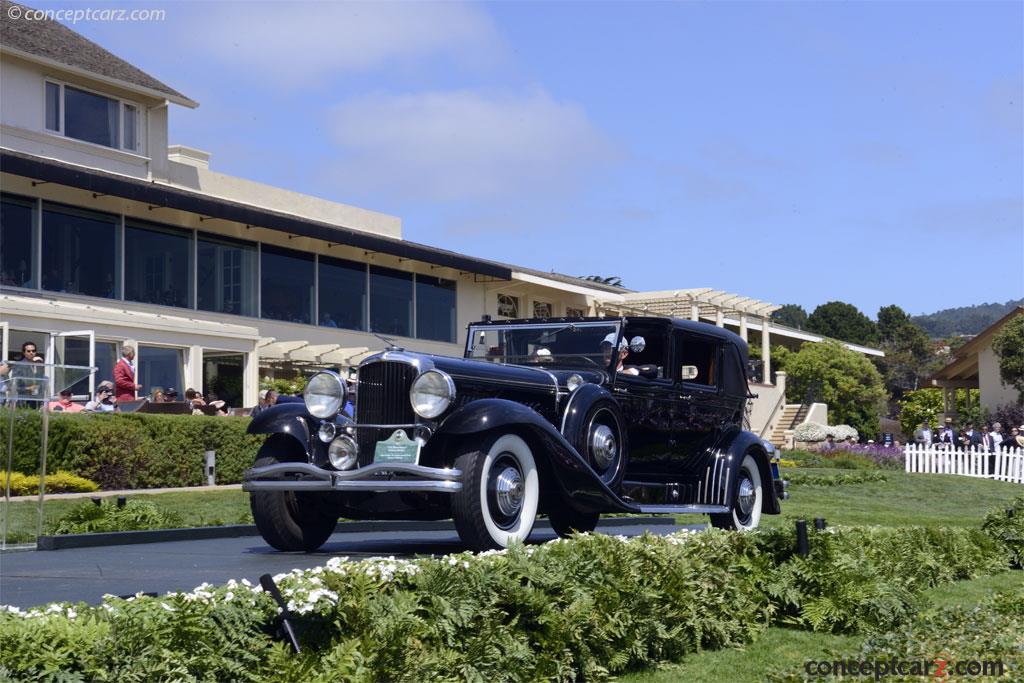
(565, 417)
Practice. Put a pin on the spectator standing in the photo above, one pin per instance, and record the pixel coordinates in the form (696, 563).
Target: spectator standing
(268, 397)
(124, 375)
(948, 436)
(923, 435)
(996, 434)
(65, 404)
(5, 371)
(987, 444)
(829, 444)
(971, 436)
(26, 385)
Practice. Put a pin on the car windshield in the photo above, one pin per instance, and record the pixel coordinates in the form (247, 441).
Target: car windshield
(583, 344)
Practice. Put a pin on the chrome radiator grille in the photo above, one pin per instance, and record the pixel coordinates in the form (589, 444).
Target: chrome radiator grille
(382, 398)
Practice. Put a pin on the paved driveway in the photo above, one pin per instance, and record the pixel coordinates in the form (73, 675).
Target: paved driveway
(37, 577)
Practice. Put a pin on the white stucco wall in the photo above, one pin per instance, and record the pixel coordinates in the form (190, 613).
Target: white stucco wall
(993, 392)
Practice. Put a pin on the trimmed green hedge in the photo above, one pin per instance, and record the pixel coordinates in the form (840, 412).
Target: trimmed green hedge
(582, 609)
(135, 451)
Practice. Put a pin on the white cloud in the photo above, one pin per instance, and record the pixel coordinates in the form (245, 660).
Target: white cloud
(298, 44)
(466, 145)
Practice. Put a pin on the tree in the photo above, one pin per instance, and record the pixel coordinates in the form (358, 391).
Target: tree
(907, 351)
(611, 280)
(1008, 345)
(925, 405)
(842, 321)
(847, 381)
(791, 315)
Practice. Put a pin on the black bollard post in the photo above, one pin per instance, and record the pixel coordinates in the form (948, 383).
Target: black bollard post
(96, 500)
(1009, 513)
(284, 624)
(121, 501)
(803, 547)
(819, 523)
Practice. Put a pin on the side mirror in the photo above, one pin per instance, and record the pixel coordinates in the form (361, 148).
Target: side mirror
(637, 344)
(688, 372)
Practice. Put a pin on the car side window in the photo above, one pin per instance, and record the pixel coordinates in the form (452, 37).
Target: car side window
(701, 353)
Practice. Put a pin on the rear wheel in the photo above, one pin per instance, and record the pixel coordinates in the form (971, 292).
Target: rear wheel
(497, 504)
(747, 499)
(288, 520)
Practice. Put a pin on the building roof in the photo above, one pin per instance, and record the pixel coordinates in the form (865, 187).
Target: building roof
(51, 42)
(677, 302)
(963, 366)
(172, 197)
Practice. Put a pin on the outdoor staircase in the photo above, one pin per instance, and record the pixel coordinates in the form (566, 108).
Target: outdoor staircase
(793, 414)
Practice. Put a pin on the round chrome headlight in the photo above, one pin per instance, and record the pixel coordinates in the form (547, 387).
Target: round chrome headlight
(574, 382)
(343, 453)
(324, 394)
(432, 393)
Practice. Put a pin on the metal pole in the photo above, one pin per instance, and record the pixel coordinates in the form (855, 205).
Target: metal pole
(10, 455)
(42, 463)
(802, 545)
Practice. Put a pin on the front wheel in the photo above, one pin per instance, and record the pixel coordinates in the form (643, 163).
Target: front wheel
(747, 499)
(566, 521)
(497, 504)
(288, 520)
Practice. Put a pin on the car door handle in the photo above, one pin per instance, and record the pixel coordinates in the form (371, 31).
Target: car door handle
(687, 397)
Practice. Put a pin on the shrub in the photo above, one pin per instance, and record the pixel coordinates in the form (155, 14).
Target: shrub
(836, 459)
(1007, 529)
(580, 609)
(135, 515)
(843, 432)
(801, 478)
(61, 482)
(136, 451)
(811, 432)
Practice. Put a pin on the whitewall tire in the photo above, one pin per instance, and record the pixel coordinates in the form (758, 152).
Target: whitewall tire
(748, 498)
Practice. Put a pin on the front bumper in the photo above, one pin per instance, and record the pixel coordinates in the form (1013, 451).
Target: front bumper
(301, 476)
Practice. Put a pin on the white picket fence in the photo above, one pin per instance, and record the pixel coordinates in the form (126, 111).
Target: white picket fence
(1004, 465)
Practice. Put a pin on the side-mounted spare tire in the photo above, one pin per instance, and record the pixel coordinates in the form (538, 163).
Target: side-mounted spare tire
(289, 520)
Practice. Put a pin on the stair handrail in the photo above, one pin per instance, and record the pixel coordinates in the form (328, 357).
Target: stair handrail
(771, 416)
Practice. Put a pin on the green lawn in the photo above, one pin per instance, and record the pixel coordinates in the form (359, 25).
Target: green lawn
(902, 500)
(199, 508)
(783, 650)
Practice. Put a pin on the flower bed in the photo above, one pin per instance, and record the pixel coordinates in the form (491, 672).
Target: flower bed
(585, 608)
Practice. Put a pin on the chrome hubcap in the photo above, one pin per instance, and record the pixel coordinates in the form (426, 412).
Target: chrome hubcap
(746, 496)
(603, 446)
(508, 491)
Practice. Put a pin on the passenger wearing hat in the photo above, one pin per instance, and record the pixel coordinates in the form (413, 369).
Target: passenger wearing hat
(65, 404)
(104, 400)
(607, 344)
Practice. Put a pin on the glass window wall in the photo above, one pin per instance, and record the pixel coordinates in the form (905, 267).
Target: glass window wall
(226, 276)
(390, 301)
(80, 251)
(342, 293)
(435, 308)
(286, 284)
(157, 264)
(160, 368)
(90, 117)
(17, 242)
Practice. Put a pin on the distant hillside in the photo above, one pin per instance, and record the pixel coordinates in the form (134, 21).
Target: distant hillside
(964, 320)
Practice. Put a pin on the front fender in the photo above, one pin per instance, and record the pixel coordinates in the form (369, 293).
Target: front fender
(285, 418)
(737, 444)
(578, 483)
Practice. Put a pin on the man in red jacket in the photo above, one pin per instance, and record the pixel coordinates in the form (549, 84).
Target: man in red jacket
(124, 375)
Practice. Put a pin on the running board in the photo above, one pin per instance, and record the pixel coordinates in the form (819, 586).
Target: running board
(683, 509)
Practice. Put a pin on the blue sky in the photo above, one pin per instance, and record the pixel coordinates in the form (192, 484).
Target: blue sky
(794, 152)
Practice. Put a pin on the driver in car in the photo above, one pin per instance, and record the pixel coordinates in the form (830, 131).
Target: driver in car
(607, 344)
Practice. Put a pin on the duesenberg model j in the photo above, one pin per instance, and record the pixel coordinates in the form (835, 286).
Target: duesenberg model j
(569, 418)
